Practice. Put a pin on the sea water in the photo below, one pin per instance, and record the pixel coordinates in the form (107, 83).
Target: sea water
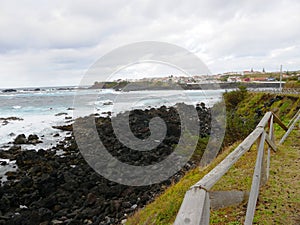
(42, 109)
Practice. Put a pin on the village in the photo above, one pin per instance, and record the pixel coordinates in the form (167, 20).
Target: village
(229, 77)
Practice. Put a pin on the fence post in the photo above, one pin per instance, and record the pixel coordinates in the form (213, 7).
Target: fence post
(264, 164)
(294, 117)
(193, 208)
(271, 136)
(255, 182)
(289, 130)
(206, 211)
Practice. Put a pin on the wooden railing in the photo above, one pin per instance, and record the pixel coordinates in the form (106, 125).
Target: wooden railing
(198, 200)
(276, 90)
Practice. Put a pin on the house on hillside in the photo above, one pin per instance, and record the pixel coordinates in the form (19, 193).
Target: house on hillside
(233, 79)
(247, 79)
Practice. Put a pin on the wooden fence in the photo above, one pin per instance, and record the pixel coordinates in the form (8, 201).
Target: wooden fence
(198, 200)
(276, 90)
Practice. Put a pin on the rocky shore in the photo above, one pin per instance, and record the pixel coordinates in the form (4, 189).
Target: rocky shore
(5, 121)
(57, 186)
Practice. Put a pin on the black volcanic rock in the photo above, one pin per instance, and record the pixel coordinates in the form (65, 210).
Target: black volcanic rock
(63, 189)
(20, 139)
(33, 139)
(9, 90)
(64, 127)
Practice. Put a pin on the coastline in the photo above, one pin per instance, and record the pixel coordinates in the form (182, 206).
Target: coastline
(57, 186)
(142, 86)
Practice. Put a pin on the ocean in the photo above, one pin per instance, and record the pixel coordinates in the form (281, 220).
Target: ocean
(43, 108)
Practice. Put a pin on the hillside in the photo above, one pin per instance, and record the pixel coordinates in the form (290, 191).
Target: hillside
(279, 199)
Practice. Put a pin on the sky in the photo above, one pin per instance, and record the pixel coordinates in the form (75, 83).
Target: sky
(54, 43)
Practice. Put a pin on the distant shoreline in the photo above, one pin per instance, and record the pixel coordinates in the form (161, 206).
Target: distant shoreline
(140, 86)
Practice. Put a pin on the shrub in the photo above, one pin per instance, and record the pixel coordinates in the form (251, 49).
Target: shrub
(233, 98)
(237, 126)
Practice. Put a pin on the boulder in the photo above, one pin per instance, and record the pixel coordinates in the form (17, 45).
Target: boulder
(9, 90)
(61, 114)
(32, 137)
(64, 127)
(20, 139)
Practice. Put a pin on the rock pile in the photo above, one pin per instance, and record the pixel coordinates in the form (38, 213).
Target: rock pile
(32, 139)
(52, 188)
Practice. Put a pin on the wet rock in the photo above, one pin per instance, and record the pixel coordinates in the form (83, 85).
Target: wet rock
(11, 118)
(61, 114)
(11, 175)
(4, 203)
(6, 155)
(15, 149)
(63, 189)
(3, 163)
(20, 139)
(45, 214)
(26, 182)
(90, 199)
(9, 90)
(33, 137)
(56, 222)
(108, 103)
(64, 127)
(5, 122)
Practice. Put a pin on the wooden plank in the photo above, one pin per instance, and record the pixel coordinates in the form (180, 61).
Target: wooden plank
(271, 143)
(294, 117)
(278, 121)
(221, 199)
(216, 173)
(206, 211)
(268, 163)
(255, 182)
(271, 137)
(263, 178)
(264, 121)
(192, 207)
(289, 130)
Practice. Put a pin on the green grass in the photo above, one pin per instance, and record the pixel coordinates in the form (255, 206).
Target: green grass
(279, 200)
(292, 84)
(164, 209)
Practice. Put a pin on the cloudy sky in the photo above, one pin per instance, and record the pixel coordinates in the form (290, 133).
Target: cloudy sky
(46, 43)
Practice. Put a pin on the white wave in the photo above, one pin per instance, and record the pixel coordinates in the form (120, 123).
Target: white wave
(35, 124)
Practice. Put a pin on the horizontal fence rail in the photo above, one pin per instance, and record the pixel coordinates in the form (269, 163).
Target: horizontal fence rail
(198, 200)
(276, 90)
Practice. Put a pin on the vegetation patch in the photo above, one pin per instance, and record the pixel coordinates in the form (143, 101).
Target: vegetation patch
(279, 200)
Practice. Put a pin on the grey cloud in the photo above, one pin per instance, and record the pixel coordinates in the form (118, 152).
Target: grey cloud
(63, 38)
